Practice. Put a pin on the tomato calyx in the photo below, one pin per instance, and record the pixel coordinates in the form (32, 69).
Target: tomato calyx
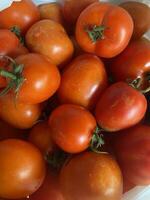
(16, 30)
(136, 84)
(95, 32)
(15, 76)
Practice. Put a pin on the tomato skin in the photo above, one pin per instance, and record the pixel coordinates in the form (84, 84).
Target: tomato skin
(49, 38)
(90, 176)
(82, 84)
(23, 164)
(140, 14)
(72, 127)
(22, 14)
(42, 78)
(72, 9)
(77, 49)
(132, 151)
(117, 34)
(40, 136)
(133, 62)
(22, 116)
(120, 107)
(20, 50)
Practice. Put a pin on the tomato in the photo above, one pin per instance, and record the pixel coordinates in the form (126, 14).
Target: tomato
(140, 14)
(82, 84)
(73, 8)
(132, 148)
(49, 38)
(133, 62)
(72, 127)
(22, 169)
(50, 189)
(22, 14)
(52, 11)
(120, 107)
(91, 176)
(40, 135)
(20, 50)
(104, 29)
(22, 116)
(8, 41)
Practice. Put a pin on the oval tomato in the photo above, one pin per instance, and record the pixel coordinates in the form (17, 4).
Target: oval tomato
(133, 62)
(72, 127)
(140, 14)
(22, 116)
(91, 176)
(40, 136)
(132, 148)
(104, 29)
(82, 84)
(120, 107)
(49, 38)
(22, 169)
(21, 14)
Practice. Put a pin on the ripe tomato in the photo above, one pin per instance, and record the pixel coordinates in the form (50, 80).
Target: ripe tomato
(52, 11)
(91, 176)
(22, 116)
(22, 14)
(49, 38)
(82, 84)
(120, 107)
(8, 42)
(133, 62)
(40, 135)
(104, 29)
(140, 14)
(50, 189)
(72, 127)
(20, 50)
(132, 148)
(72, 9)
(22, 169)
(40, 81)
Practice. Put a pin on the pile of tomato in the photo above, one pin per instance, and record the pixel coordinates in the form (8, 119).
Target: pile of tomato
(74, 100)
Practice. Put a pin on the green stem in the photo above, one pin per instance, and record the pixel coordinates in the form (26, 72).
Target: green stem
(7, 74)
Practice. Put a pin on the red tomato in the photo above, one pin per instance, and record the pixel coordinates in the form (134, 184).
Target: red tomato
(120, 107)
(40, 135)
(49, 38)
(22, 14)
(104, 29)
(22, 116)
(140, 14)
(132, 147)
(72, 127)
(133, 62)
(22, 169)
(72, 9)
(82, 84)
(91, 176)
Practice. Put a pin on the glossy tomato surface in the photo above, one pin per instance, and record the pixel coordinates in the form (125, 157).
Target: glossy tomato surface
(91, 176)
(22, 169)
(72, 127)
(83, 81)
(104, 29)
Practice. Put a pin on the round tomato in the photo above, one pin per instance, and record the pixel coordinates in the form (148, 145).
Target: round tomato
(49, 38)
(22, 116)
(21, 14)
(91, 176)
(72, 127)
(133, 62)
(22, 169)
(132, 147)
(72, 9)
(82, 84)
(40, 135)
(104, 29)
(140, 14)
(120, 107)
